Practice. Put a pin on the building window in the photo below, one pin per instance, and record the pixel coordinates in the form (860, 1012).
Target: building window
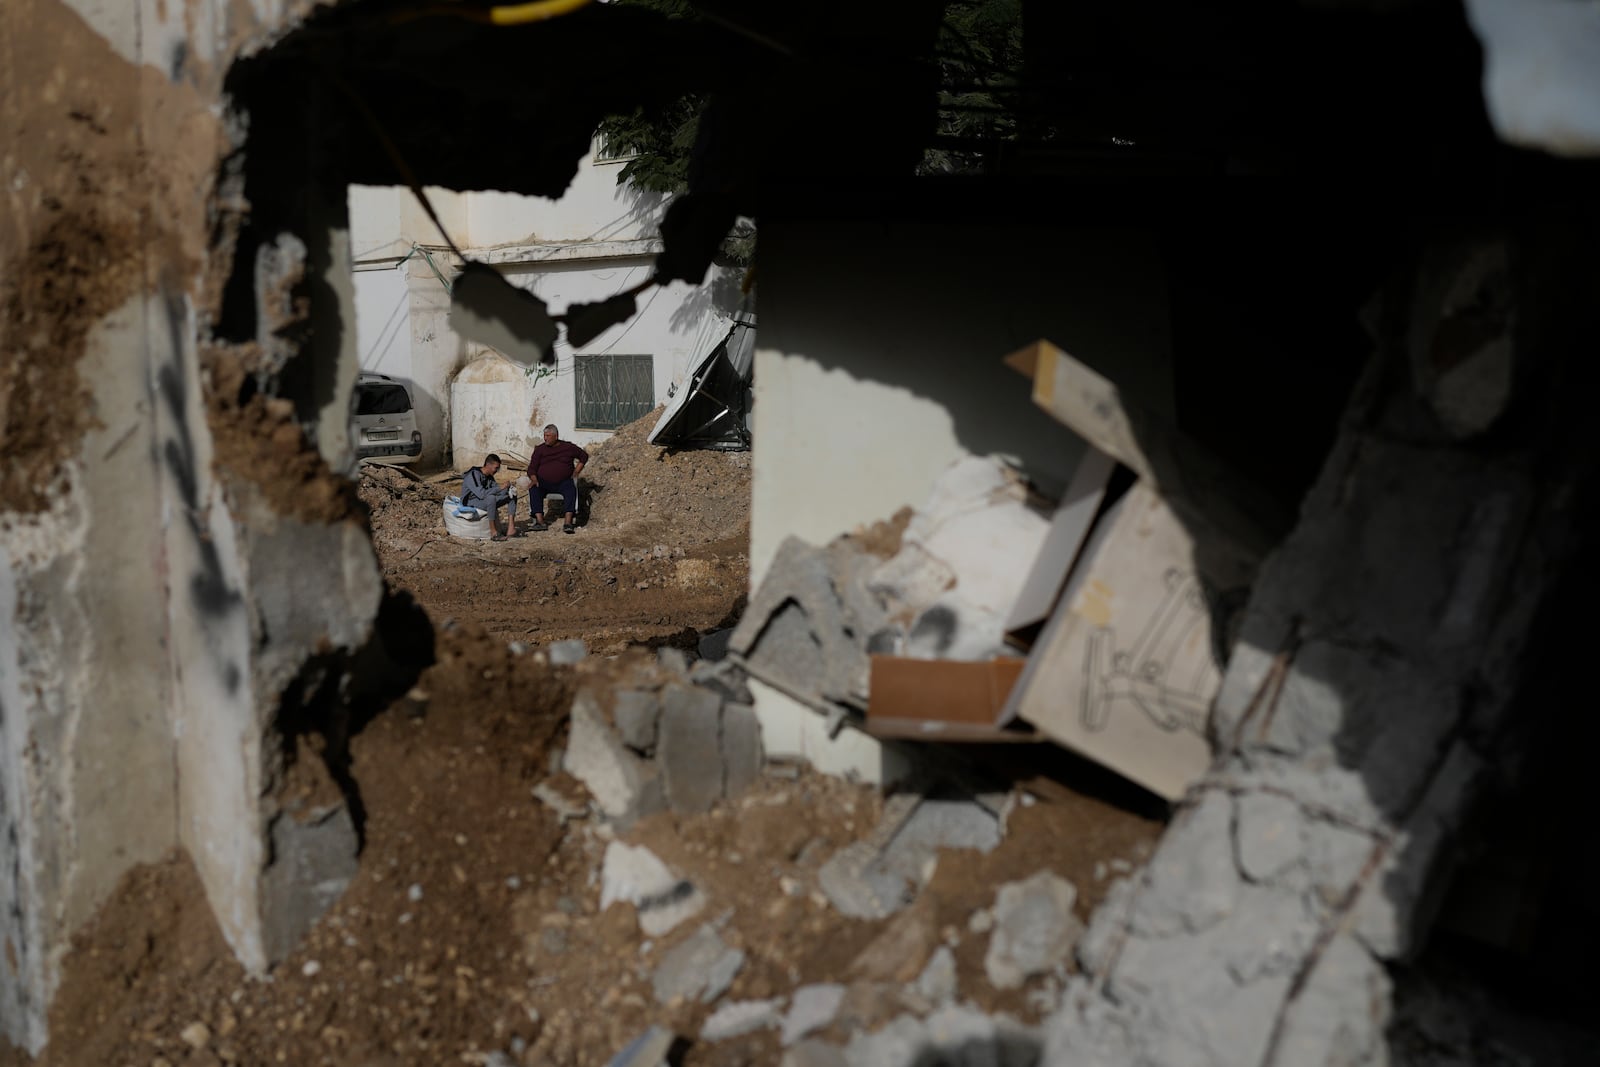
(613, 390)
(605, 152)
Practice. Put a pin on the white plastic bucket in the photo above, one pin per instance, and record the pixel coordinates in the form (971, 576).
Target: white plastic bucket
(475, 525)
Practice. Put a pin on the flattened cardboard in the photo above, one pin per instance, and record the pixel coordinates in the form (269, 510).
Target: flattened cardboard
(942, 690)
(1123, 672)
(1069, 528)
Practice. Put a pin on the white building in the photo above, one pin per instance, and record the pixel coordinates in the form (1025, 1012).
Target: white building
(597, 240)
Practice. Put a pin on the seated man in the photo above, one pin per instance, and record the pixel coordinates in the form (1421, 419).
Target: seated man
(554, 468)
(480, 490)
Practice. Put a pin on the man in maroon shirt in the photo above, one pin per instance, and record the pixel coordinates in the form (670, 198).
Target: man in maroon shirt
(554, 468)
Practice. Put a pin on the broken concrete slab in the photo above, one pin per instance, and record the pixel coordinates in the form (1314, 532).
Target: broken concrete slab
(614, 776)
(1034, 929)
(635, 712)
(634, 874)
(688, 748)
(701, 967)
(813, 1007)
(798, 634)
(740, 1017)
(741, 749)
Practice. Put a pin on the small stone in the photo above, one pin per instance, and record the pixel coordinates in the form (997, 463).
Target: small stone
(196, 1035)
(981, 921)
(814, 1007)
(741, 1017)
(414, 894)
(566, 653)
(553, 940)
(673, 659)
(937, 982)
(310, 968)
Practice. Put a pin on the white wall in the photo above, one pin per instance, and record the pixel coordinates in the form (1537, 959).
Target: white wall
(875, 372)
(593, 243)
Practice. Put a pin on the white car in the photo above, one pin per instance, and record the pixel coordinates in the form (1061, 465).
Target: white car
(383, 426)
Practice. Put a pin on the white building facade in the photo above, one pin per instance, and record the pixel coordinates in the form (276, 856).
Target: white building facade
(597, 240)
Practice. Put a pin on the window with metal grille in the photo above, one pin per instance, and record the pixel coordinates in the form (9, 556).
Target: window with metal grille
(613, 390)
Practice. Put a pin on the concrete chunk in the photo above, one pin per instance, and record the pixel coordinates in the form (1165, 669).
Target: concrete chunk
(612, 774)
(741, 1017)
(688, 749)
(649, 1049)
(1034, 929)
(741, 749)
(634, 874)
(702, 967)
(814, 1007)
(636, 713)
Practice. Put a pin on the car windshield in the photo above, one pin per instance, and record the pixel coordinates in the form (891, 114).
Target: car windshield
(381, 400)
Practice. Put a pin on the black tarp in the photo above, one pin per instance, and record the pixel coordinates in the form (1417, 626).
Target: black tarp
(711, 409)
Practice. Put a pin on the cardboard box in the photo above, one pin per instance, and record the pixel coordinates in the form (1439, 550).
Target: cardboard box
(940, 690)
(1123, 672)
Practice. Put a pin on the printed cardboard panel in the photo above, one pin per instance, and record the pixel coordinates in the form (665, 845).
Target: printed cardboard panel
(1123, 672)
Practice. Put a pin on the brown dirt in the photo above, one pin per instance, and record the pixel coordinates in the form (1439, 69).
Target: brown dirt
(503, 947)
(660, 556)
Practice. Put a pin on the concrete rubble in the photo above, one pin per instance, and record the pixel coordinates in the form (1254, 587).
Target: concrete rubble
(699, 968)
(877, 876)
(676, 746)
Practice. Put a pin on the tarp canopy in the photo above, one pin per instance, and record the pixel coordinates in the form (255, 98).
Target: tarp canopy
(711, 409)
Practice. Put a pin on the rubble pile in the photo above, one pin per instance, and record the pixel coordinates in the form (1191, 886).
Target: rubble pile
(694, 495)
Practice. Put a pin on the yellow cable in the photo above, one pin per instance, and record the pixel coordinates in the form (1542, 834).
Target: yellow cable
(536, 11)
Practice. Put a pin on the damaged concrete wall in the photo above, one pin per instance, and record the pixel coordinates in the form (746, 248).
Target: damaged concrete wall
(147, 633)
(875, 372)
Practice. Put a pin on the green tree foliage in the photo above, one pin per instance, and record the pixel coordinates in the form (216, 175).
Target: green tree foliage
(980, 85)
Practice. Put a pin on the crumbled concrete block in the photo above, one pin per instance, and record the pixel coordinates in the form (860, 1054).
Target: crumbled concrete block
(858, 885)
(636, 712)
(813, 1007)
(566, 653)
(742, 1017)
(1267, 835)
(634, 874)
(701, 967)
(797, 633)
(688, 749)
(314, 857)
(1192, 881)
(673, 659)
(940, 823)
(741, 749)
(1034, 929)
(937, 984)
(649, 1049)
(595, 756)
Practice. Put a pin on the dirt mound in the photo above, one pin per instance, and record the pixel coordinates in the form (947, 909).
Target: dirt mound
(687, 496)
(473, 932)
